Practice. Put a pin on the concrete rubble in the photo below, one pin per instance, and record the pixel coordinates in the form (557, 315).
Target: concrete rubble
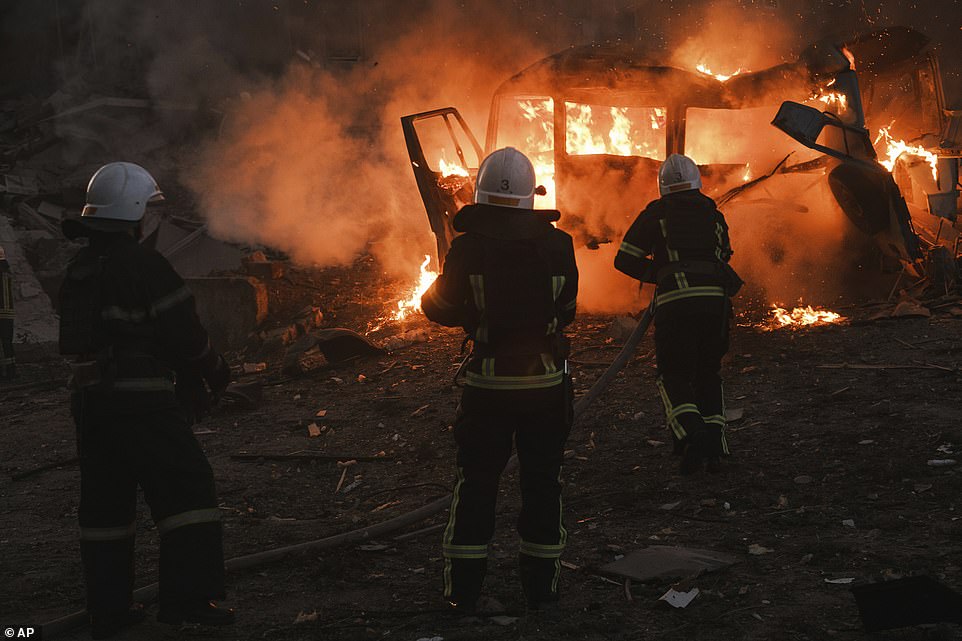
(48, 151)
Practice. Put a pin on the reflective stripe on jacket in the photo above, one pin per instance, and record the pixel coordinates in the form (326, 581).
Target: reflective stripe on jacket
(675, 229)
(510, 280)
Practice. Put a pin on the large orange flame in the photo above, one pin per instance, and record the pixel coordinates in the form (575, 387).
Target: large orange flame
(412, 304)
(895, 148)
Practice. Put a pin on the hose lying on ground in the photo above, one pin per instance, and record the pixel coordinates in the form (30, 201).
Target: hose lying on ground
(149, 592)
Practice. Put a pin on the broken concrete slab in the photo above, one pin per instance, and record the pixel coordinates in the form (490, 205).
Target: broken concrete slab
(659, 561)
(910, 309)
(229, 307)
(339, 344)
(34, 318)
(905, 602)
(192, 252)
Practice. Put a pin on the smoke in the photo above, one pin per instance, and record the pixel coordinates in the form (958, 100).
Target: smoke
(315, 164)
(310, 158)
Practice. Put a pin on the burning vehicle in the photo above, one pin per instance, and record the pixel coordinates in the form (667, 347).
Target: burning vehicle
(597, 121)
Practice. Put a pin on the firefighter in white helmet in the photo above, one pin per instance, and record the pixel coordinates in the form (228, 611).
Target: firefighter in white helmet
(680, 243)
(8, 367)
(510, 281)
(130, 324)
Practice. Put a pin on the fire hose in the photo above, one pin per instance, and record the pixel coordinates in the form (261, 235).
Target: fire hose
(149, 592)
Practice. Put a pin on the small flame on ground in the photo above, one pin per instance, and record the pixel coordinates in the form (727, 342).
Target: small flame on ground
(895, 148)
(412, 304)
(721, 77)
(802, 316)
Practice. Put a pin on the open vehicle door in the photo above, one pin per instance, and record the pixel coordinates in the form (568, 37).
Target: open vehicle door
(445, 157)
(866, 192)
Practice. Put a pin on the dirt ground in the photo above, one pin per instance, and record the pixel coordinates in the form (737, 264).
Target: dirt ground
(829, 479)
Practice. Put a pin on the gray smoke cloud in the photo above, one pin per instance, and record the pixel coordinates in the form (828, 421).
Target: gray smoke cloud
(309, 157)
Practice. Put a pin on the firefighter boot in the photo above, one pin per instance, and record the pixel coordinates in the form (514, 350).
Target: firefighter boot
(462, 583)
(191, 575)
(539, 580)
(109, 575)
(698, 449)
(716, 448)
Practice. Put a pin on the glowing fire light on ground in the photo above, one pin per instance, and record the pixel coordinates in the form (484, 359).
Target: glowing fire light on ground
(412, 304)
(721, 77)
(802, 317)
(895, 148)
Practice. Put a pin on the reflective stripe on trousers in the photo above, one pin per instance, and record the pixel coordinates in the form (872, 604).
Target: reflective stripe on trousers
(190, 517)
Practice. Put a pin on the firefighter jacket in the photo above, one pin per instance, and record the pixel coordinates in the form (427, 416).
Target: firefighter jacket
(131, 323)
(687, 239)
(510, 280)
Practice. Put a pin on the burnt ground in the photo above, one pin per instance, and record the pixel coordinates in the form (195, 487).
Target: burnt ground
(829, 475)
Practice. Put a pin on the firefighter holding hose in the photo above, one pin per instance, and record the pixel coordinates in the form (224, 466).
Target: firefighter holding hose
(680, 243)
(510, 280)
(130, 323)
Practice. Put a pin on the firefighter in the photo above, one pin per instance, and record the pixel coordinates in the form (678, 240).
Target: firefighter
(7, 362)
(130, 323)
(510, 281)
(680, 243)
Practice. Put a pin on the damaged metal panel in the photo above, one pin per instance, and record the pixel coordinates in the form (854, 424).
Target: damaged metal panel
(445, 184)
(595, 186)
(865, 191)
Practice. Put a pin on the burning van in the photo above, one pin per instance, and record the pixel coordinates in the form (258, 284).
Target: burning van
(597, 121)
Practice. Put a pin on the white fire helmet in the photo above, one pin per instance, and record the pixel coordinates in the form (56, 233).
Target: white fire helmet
(505, 179)
(678, 173)
(118, 194)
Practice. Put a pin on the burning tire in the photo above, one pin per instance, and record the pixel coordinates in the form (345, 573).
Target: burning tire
(862, 196)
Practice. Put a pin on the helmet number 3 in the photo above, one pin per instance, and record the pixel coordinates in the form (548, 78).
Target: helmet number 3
(505, 185)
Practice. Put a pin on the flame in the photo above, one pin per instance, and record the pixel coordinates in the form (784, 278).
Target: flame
(895, 148)
(587, 134)
(748, 172)
(412, 304)
(851, 58)
(452, 169)
(833, 99)
(802, 316)
(616, 131)
(721, 77)
(540, 148)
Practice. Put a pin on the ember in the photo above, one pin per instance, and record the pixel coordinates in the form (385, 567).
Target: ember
(895, 148)
(802, 316)
(412, 304)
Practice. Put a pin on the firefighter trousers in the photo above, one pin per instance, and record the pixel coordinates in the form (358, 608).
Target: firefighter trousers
(689, 349)
(538, 422)
(8, 366)
(158, 452)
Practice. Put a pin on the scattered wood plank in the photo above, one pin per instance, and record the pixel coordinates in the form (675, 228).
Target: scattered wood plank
(306, 456)
(19, 476)
(906, 343)
(882, 366)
